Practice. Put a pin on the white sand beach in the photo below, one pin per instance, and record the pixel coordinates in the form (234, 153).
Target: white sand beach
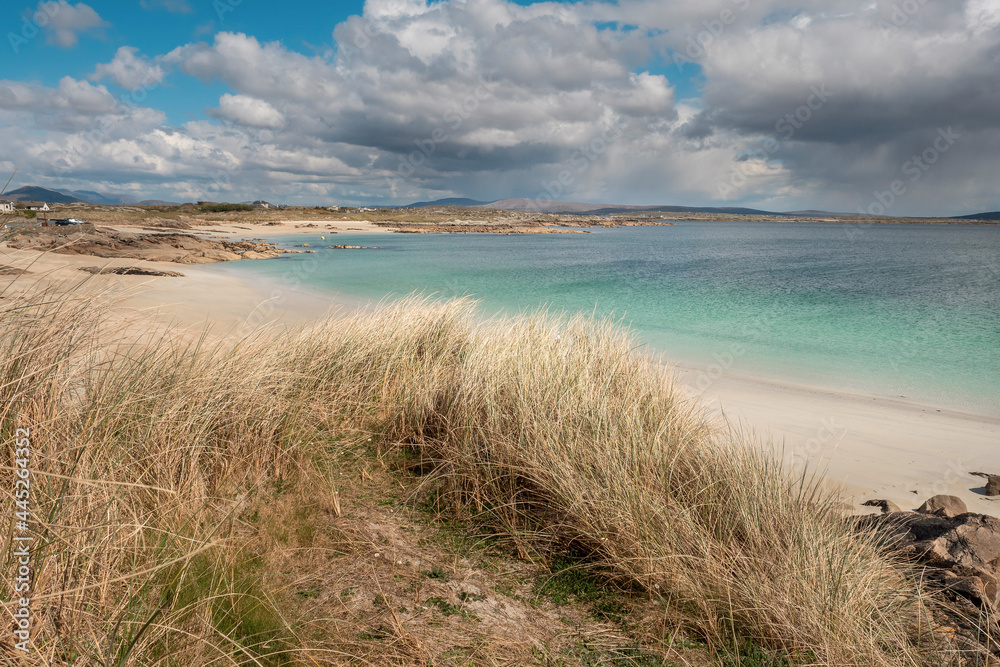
(872, 447)
(241, 229)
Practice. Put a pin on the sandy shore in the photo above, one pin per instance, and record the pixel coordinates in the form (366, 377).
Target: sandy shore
(288, 227)
(873, 447)
(203, 298)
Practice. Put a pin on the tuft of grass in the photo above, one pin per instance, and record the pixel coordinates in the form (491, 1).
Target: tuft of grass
(437, 572)
(569, 581)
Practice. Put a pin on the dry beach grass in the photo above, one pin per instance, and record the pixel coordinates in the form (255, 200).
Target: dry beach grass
(172, 478)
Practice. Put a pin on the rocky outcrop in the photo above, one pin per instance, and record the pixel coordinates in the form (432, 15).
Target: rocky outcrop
(959, 555)
(168, 247)
(946, 506)
(354, 247)
(130, 271)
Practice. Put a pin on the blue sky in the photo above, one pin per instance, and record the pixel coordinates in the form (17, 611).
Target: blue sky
(771, 103)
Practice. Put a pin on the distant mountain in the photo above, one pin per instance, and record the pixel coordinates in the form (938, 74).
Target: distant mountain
(451, 201)
(99, 197)
(546, 206)
(35, 193)
(155, 202)
(718, 210)
(54, 196)
(995, 215)
(542, 206)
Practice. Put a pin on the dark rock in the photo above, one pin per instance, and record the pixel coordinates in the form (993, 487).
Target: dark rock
(129, 271)
(946, 506)
(887, 506)
(992, 483)
(961, 553)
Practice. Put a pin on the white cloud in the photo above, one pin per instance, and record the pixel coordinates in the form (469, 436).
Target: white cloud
(64, 22)
(129, 71)
(249, 111)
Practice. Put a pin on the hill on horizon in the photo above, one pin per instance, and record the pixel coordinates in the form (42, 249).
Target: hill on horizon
(36, 193)
(61, 196)
(994, 215)
(547, 206)
(449, 201)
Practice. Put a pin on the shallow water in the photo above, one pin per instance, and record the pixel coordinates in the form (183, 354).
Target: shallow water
(909, 311)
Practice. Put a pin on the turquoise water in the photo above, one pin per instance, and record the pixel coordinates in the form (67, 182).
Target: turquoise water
(909, 311)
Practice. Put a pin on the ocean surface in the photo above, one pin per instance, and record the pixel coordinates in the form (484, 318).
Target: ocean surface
(903, 311)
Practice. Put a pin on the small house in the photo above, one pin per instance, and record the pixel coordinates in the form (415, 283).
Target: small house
(32, 206)
(6, 206)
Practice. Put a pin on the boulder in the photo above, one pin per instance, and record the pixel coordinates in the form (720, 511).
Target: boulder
(992, 483)
(253, 254)
(946, 506)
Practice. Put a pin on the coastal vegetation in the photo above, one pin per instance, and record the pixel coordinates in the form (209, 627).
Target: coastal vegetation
(442, 218)
(367, 489)
(215, 207)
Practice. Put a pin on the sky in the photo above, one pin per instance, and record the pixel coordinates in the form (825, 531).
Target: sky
(873, 106)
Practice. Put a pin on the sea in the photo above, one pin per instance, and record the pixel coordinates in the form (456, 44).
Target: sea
(905, 311)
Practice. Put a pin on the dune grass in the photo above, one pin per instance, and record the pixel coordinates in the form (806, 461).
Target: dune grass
(151, 451)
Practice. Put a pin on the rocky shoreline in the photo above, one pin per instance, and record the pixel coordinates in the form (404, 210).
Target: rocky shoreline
(174, 247)
(507, 227)
(957, 552)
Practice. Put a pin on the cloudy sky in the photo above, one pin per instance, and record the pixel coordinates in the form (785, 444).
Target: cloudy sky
(840, 105)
